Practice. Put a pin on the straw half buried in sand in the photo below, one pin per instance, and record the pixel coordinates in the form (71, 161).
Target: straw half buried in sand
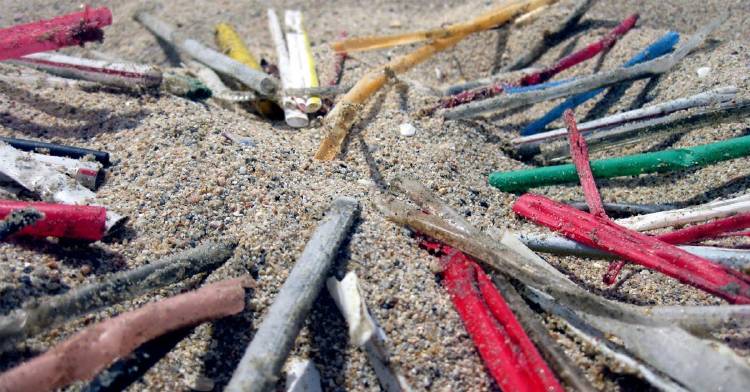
(344, 115)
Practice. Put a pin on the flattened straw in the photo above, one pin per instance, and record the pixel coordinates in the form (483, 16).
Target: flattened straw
(15, 221)
(292, 114)
(82, 356)
(365, 332)
(299, 48)
(580, 152)
(720, 94)
(256, 80)
(42, 314)
(259, 367)
(344, 115)
(551, 37)
(493, 18)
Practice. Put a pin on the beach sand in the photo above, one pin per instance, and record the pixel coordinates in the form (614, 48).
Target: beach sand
(181, 182)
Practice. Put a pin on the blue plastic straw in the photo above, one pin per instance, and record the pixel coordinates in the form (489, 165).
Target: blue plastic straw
(659, 48)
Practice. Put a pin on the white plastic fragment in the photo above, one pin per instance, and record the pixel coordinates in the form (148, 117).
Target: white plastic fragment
(364, 332)
(406, 129)
(703, 71)
(302, 376)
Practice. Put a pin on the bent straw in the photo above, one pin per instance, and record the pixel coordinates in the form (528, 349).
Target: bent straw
(263, 359)
(365, 332)
(493, 18)
(42, 314)
(17, 220)
(647, 251)
(52, 34)
(551, 37)
(82, 356)
(629, 165)
(583, 84)
(513, 259)
(292, 114)
(256, 80)
(344, 114)
(126, 75)
(720, 94)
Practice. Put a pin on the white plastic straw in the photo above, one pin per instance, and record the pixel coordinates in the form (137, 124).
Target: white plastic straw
(294, 117)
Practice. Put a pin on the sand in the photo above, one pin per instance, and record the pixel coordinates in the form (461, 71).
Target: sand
(181, 182)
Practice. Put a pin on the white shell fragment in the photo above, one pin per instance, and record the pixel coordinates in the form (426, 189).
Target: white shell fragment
(703, 71)
(406, 129)
(302, 376)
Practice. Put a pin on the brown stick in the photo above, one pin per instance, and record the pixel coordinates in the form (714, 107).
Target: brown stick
(93, 349)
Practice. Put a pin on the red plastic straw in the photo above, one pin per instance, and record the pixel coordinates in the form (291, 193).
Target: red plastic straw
(579, 152)
(582, 55)
(719, 228)
(639, 248)
(545, 74)
(45, 35)
(509, 354)
(61, 220)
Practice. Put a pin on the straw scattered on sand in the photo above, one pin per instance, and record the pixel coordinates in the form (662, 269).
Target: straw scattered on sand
(181, 182)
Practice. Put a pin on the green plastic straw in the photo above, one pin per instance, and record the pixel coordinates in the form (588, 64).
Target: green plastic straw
(630, 165)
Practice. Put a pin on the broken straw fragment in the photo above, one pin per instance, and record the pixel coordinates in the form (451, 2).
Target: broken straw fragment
(256, 80)
(43, 313)
(488, 20)
(46, 35)
(683, 216)
(339, 121)
(635, 247)
(82, 356)
(259, 367)
(629, 165)
(301, 56)
(364, 331)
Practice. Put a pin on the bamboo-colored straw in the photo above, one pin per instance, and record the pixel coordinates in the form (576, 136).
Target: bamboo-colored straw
(343, 116)
(497, 16)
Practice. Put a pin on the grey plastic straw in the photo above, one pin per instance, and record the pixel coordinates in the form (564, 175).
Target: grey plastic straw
(261, 364)
(256, 80)
(621, 210)
(585, 83)
(17, 220)
(550, 243)
(629, 134)
(42, 314)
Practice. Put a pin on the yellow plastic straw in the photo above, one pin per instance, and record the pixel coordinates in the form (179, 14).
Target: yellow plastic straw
(344, 114)
(230, 43)
(487, 21)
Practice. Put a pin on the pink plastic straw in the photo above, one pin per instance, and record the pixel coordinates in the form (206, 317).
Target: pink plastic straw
(90, 351)
(45, 35)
